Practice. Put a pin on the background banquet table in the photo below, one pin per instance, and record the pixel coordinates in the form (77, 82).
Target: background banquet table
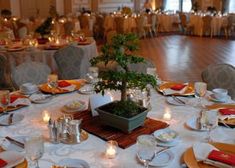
(45, 56)
(92, 149)
(166, 22)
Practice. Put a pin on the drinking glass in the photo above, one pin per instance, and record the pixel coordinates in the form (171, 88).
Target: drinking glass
(92, 74)
(200, 91)
(34, 148)
(210, 122)
(4, 99)
(52, 80)
(146, 148)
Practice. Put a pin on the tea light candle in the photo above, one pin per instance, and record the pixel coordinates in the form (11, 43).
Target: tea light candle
(167, 114)
(57, 41)
(5, 19)
(46, 116)
(111, 150)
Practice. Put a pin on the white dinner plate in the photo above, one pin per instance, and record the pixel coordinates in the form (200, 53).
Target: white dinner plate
(224, 100)
(166, 135)
(78, 163)
(12, 158)
(8, 146)
(74, 106)
(162, 159)
(15, 119)
(192, 123)
(172, 101)
(40, 98)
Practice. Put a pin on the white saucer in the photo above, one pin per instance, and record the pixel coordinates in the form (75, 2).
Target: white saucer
(86, 89)
(162, 159)
(15, 119)
(74, 105)
(192, 123)
(74, 163)
(8, 146)
(40, 98)
(172, 101)
(168, 144)
(12, 158)
(224, 100)
(166, 135)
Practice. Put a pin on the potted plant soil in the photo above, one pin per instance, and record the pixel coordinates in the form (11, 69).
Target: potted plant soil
(125, 114)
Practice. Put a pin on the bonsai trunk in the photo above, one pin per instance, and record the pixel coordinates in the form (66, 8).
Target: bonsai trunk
(124, 91)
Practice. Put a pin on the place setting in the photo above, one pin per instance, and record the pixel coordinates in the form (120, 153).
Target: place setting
(150, 155)
(55, 86)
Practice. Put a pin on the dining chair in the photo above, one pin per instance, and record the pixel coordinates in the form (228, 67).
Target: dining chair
(30, 72)
(5, 81)
(70, 62)
(119, 24)
(141, 22)
(227, 26)
(206, 25)
(186, 27)
(220, 76)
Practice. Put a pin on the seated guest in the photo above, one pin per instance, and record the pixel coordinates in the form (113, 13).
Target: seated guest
(148, 6)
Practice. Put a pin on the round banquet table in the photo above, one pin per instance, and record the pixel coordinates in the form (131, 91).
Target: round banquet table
(92, 149)
(166, 22)
(45, 56)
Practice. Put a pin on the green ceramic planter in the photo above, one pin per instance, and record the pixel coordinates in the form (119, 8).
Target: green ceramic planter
(124, 124)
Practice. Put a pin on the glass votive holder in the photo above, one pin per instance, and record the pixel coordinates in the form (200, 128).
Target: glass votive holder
(111, 149)
(46, 116)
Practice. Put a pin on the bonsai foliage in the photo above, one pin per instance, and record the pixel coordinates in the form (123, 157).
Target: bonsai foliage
(122, 51)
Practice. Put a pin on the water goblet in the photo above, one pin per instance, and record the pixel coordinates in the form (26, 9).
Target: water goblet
(92, 74)
(52, 80)
(34, 148)
(200, 91)
(210, 122)
(4, 99)
(146, 148)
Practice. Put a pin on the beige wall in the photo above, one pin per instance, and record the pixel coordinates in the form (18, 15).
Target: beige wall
(5, 4)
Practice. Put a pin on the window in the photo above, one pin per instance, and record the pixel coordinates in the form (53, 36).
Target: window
(231, 8)
(187, 5)
(173, 5)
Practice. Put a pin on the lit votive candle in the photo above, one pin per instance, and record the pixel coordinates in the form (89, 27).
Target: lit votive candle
(46, 116)
(111, 150)
(167, 116)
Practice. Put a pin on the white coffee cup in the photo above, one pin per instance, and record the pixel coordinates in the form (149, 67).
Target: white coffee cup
(220, 93)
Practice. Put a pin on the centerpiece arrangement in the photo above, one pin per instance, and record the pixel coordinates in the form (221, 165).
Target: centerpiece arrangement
(125, 114)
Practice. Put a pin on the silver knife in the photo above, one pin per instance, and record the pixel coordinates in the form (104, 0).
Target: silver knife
(15, 142)
(10, 119)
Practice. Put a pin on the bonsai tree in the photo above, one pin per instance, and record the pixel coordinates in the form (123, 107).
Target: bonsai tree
(122, 50)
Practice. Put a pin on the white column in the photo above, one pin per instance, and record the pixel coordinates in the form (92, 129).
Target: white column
(15, 8)
(60, 7)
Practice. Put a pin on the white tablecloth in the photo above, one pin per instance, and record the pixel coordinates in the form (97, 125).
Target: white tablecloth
(166, 22)
(92, 149)
(45, 56)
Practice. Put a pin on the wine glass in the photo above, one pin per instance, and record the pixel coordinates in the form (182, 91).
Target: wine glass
(52, 80)
(200, 91)
(210, 122)
(146, 148)
(4, 99)
(34, 148)
(92, 75)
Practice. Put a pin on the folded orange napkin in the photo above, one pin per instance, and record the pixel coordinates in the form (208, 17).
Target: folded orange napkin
(15, 97)
(227, 111)
(222, 157)
(2, 163)
(63, 84)
(178, 87)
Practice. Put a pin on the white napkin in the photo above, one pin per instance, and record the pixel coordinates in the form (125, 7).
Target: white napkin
(201, 152)
(69, 88)
(223, 117)
(20, 101)
(170, 91)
